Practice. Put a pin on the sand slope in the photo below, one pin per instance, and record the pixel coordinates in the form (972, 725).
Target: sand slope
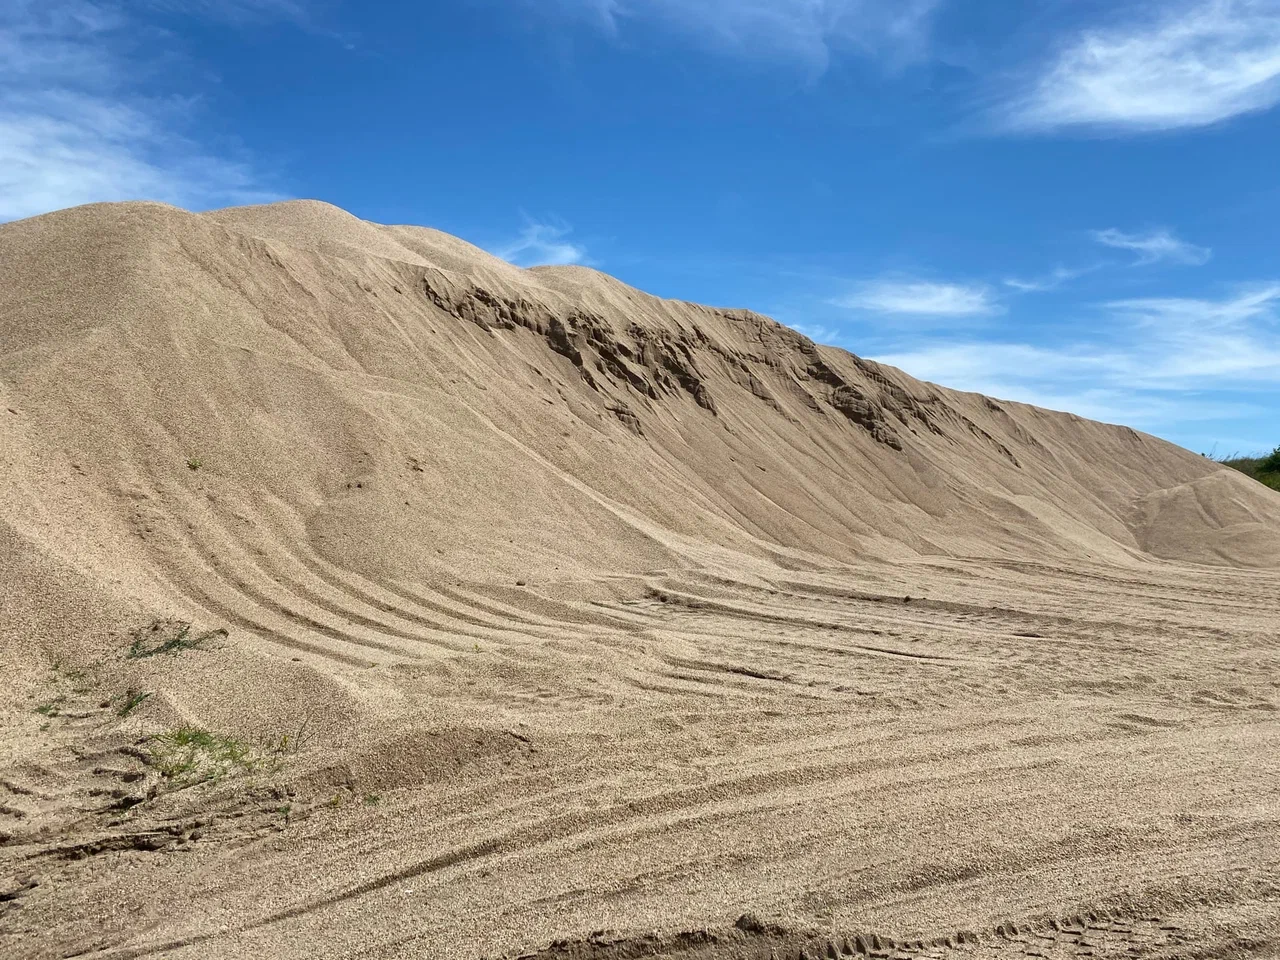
(529, 605)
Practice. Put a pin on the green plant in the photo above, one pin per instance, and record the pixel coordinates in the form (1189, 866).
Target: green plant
(194, 463)
(80, 680)
(132, 699)
(50, 709)
(190, 755)
(287, 743)
(1270, 463)
(1264, 469)
(167, 636)
(372, 799)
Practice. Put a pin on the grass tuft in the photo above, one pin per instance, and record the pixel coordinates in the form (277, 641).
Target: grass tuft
(286, 744)
(190, 755)
(132, 700)
(194, 463)
(168, 636)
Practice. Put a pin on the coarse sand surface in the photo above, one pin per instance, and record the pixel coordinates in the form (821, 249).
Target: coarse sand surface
(363, 595)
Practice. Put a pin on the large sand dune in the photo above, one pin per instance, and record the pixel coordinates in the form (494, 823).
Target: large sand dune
(364, 595)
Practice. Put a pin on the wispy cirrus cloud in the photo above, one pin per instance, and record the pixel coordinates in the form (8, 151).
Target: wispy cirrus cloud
(1155, 246)
(921, 298)
(1237, 338)
(800, 31)
(75, 127)
(238, 11)
(1181, 64)
(542, 244)
(1052, 280)
(1150, 360)
(817, 332)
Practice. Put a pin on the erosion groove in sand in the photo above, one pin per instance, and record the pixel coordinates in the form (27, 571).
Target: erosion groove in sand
(562, 621)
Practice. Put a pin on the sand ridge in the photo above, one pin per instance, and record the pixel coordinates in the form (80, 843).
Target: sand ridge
(385, 599)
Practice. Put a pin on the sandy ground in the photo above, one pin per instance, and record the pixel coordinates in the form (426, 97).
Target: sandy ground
(364, 596)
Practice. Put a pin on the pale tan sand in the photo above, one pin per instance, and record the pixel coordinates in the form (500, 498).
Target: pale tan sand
(554, 608)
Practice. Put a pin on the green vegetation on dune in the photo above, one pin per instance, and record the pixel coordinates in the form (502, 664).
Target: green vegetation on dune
(189, 755)
(1265, 470)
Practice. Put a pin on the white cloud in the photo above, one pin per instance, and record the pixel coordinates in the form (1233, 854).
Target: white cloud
(804, 31)
(1186, 64)
(1154, 360)
(1051, 281)
(1254, 303)
(73, 128)
(921, 298)
(816, 332)
(542, 244)
(1155, 247)
(1236, 340)
(235, 11)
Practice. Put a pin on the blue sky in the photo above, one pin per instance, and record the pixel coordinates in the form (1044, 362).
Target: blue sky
(1067, 202)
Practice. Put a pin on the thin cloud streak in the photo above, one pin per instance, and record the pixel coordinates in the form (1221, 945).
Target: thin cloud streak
(807, 32)
(817, 332)
(1051, 281)
(921, 298)
(1158, 360)
(239, 12)
(1187, 64)
(542, 244)
(1155, 247)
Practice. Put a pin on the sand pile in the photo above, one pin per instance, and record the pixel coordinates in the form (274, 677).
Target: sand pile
(351, 550)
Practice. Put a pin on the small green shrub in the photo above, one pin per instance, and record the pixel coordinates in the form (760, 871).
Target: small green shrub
(1270, 463)
(194, 463)
(1266, 469)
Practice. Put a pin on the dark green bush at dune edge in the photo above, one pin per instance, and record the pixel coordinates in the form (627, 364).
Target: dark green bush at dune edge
(1263, 469)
